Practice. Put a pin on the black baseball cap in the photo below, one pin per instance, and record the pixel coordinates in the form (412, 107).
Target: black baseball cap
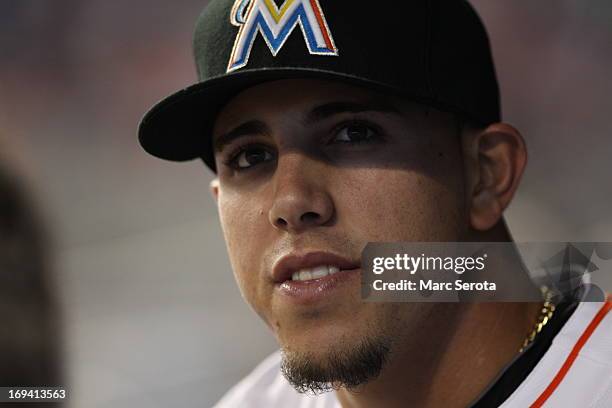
(434, 52)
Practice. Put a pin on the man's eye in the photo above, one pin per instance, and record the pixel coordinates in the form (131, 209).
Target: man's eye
(354, 133)
(250, 157)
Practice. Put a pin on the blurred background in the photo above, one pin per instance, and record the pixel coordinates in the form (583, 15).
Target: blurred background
(151, 314)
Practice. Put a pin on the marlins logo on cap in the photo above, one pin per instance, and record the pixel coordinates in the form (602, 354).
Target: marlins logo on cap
(275, 25)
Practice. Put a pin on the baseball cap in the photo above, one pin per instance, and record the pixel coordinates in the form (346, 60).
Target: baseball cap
(434, 52)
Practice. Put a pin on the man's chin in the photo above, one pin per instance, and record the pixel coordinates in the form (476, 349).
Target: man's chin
(343, 363)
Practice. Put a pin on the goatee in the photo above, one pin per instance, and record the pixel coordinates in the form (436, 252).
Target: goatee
(344, 368)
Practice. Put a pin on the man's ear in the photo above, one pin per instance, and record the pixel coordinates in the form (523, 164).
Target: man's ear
(497, 158)
(214, 188)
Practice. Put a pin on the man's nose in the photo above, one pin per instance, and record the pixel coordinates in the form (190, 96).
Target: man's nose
(301, 199)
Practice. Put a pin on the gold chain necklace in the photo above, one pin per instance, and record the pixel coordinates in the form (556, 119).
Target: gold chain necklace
(548, 309)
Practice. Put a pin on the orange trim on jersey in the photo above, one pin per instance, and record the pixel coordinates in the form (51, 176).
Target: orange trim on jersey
(607, 306)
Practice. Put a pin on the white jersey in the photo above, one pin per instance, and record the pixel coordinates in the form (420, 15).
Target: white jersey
(576, 371)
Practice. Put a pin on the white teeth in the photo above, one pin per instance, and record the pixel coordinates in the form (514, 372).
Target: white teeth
(319, 272)
(314, 273)
(305, 274)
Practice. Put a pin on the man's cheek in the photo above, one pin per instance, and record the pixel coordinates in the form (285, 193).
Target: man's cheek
(402, 210)
(241, 226)
(245, 244)
(246, 285)
(244, 263)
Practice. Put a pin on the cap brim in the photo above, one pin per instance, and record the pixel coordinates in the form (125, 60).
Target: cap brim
(179, 128)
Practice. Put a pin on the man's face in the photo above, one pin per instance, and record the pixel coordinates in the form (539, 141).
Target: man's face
(311, 171)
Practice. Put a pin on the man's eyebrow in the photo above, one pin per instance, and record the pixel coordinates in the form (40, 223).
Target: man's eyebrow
(252, 127)
(334, 108)
(321, 112)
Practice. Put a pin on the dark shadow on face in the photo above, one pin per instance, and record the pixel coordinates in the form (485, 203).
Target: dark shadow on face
(340, 126)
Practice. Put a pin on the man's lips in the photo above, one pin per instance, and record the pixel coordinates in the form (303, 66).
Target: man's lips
(284, 268)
